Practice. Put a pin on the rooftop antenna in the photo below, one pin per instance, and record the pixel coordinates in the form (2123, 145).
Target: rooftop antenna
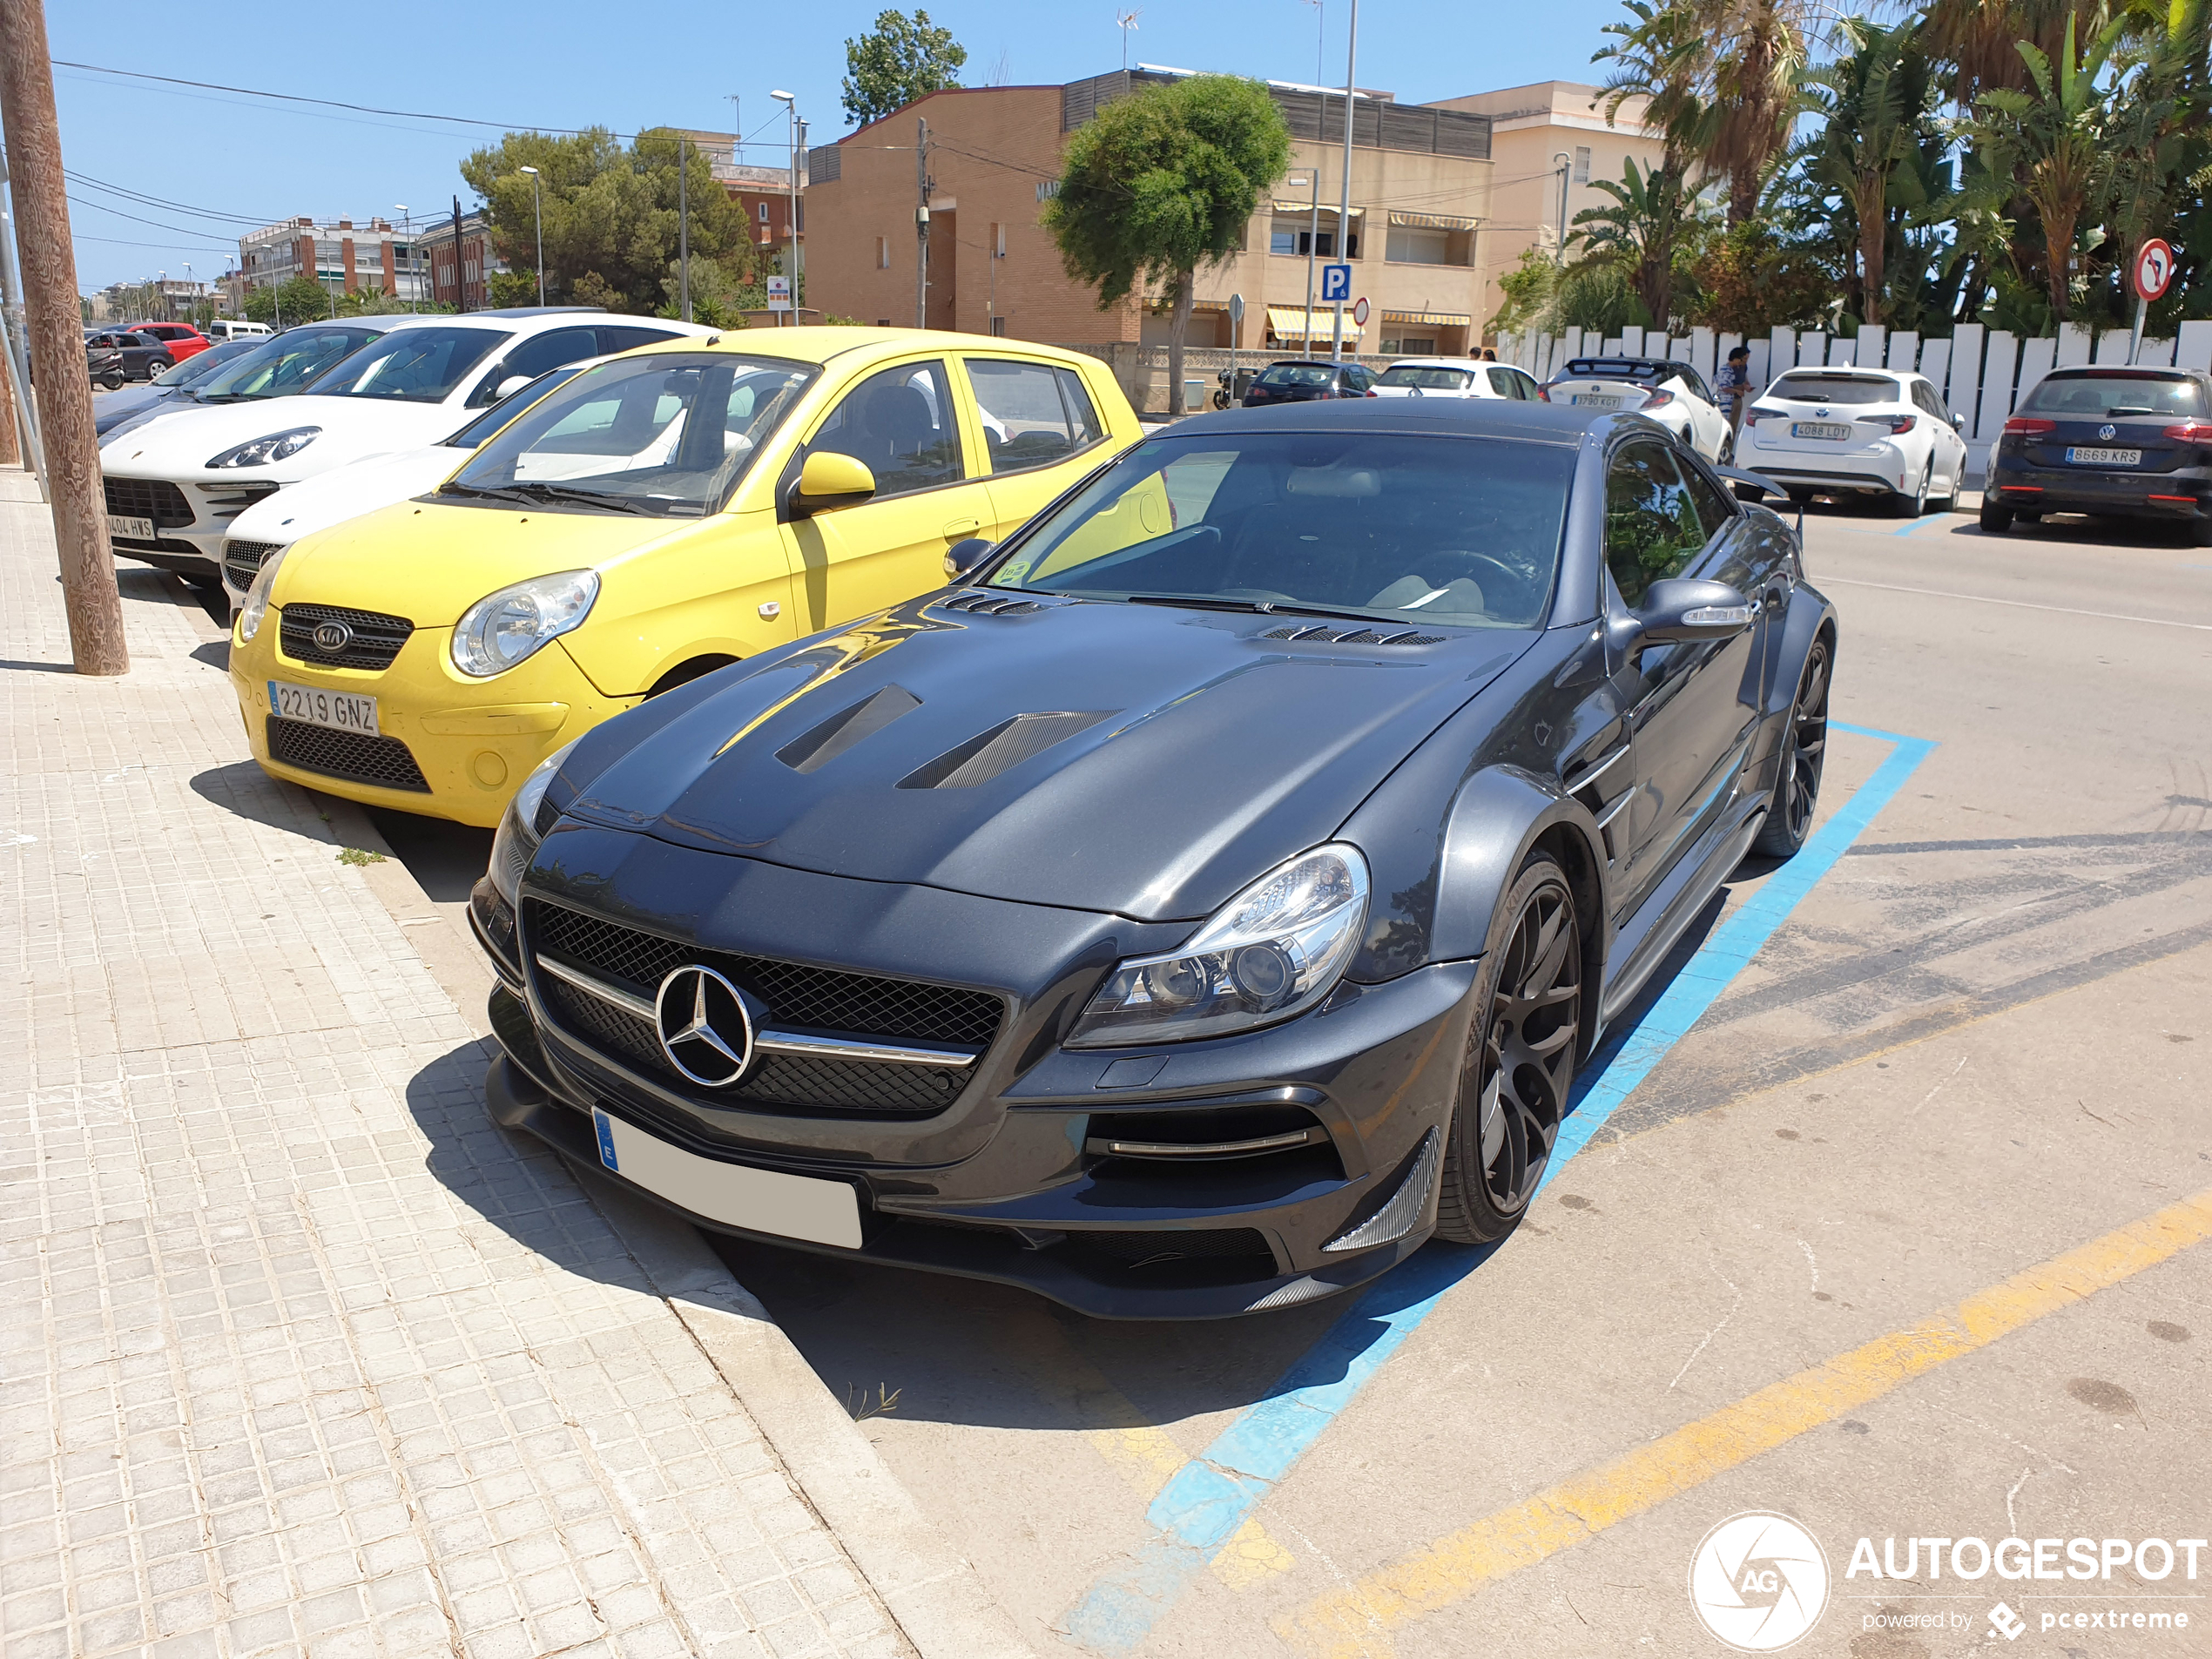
(1126, 21)
(1320, 37)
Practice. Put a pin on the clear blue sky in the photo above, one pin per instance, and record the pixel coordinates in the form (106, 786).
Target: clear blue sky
(559, 63)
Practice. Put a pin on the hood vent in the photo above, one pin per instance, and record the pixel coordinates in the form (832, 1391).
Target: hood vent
(810, 750)
(1354, 636)
(1007, 744)
(990, 604)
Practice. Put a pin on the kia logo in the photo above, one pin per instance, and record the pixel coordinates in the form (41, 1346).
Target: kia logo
(333, 637)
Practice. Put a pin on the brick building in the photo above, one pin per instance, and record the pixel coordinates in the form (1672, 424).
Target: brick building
(762, 193)
(457, 270)
(340, 255)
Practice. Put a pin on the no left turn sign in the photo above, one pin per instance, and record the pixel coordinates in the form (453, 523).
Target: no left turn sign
(2154, 269)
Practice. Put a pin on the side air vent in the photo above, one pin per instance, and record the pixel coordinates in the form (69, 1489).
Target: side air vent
(1353, 636)
(813, 750)
(1007, 744)
(1231, 1132)
(991, 605)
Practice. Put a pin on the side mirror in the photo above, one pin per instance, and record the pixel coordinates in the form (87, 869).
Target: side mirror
(964, 555)
(508, 387)
(1682, 610)
(830, 480)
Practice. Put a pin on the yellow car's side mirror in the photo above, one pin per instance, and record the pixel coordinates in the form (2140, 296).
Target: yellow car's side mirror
(830, 480)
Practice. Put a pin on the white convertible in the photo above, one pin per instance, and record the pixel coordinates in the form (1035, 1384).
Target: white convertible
(1878, 432)
(176, 486)
(1671, 393)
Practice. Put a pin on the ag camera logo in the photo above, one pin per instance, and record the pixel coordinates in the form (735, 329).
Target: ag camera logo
(1759, 1582)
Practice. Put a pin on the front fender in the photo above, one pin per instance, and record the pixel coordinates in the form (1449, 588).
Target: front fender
(1497, 822)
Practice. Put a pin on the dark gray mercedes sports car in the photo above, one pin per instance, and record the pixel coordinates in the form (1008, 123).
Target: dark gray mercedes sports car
(1207, 898)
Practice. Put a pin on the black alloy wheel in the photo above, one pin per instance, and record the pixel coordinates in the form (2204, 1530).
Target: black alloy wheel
(1520, 1063)
(1804, 747)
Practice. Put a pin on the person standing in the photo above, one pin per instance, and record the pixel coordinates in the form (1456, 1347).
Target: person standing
(1735, 385)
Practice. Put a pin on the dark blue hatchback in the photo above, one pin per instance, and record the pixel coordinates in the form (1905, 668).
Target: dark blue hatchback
(2135, 443)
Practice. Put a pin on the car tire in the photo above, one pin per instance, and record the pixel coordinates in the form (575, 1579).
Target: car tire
(1913, 506)
(114, 382)
(1804, 749)
(1518, 1072)
(1801, 496)
(1995, 520)
(2200, 532)
(1727, 449)
(2033, 517)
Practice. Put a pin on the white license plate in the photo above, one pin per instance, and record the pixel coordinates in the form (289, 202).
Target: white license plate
(1594, 403)
(2105, 457)
(340, 711)
(736, 1195)
(1824, 429)
(137, 529)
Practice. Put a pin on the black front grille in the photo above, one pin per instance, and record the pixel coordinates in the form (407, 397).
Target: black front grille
(819, 998)
(351, 755)
(228, 501)
(376, 637)
(800, 1082)
(242, 561)
(154, 498)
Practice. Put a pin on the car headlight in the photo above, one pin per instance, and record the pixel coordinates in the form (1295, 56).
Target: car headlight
(278, 446)
(502, 628)
(1273, 951)
(257, 596)
(515, 844)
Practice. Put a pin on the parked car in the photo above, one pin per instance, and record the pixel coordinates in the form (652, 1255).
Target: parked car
(183, 340)
(270, 526)
(664, 514)
(238, 328)
(2134, 442)
(1163, 917)
(1868, 432)
(139, 356)
(1674, 393)
(1302, 380)
(1456, 377)
(421, 377)
(180, 527)
(111, 412)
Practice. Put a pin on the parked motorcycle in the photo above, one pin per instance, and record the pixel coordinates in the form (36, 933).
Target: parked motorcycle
(1227, 395)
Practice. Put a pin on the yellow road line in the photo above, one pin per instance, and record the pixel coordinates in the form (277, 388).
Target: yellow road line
(1357, 1620)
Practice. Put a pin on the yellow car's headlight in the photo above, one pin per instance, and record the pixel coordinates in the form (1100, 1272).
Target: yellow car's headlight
(257, 596)
(505, 628)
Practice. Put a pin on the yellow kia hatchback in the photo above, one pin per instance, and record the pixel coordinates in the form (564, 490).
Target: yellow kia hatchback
(661, 514)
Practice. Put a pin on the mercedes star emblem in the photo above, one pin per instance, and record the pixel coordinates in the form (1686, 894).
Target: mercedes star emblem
(333, 637)
(704, 1028)
(2108, 431)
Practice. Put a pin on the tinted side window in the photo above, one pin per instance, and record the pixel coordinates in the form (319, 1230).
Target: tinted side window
(1025, 419)
(1652, 529)
(1714, 510)
(1505, 382)
(1088, 428)
(533, 357)
(899, 424)
(614, 338)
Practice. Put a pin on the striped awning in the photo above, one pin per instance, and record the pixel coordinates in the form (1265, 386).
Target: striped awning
(1328, 209)
(1288, 322)
(1435, 221)
(1440, 319)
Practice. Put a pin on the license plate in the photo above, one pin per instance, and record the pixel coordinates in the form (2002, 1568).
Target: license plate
(736, 1195)
(137, 529)
(1600, 402)
(1819, 429)
(2105, 457)
(340, 711)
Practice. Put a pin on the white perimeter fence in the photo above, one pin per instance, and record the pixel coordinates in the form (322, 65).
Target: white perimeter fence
(1982, 374)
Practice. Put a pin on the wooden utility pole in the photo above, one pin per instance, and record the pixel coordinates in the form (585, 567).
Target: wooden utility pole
(921, 225)
(52, 322)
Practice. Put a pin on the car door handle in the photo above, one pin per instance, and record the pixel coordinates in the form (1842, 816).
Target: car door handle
(962, 527)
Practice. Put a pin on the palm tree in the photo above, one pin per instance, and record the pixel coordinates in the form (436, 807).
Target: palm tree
(1876, 100)
(1760, 50)
(1648, 225)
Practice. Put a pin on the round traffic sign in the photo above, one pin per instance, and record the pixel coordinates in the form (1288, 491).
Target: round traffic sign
(2154, 271)
(1359, 309)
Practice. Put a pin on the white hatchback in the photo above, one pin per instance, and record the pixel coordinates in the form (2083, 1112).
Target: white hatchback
(1871, 432)
(1671, 393)
(175, 486)
(1456, 377)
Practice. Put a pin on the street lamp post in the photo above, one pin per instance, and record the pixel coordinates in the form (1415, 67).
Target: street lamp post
(1564, 161)
(407, 229)
(1344, 206)
(537, 214)
(791, 224)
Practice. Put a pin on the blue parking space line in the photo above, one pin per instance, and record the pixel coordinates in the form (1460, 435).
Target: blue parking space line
(1206, 1500)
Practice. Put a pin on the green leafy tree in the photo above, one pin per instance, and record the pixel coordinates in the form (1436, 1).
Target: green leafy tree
(1750, 280)
(1877, 102)
(610, 217)
(297, 298)
(1162, 183)
(1529, 289)
(1645, 233)
(897, 62)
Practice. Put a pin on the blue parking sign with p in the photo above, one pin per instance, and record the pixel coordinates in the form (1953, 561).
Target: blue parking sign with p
(1336, 284)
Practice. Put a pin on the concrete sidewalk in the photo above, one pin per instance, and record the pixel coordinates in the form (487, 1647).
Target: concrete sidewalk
(302, 1354)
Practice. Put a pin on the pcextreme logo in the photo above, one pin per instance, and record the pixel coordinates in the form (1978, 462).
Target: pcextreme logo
(1759, 1582)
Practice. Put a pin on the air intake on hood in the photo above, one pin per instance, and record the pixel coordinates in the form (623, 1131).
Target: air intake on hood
(991, 606)
(1354, 636)
(810, 750)
(1007, 744)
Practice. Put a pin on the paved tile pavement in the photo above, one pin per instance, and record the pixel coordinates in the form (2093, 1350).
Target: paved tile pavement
(299, 1353)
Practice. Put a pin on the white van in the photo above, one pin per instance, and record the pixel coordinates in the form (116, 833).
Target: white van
(236, 329)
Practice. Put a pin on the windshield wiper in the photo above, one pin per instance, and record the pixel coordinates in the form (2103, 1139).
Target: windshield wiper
(2130, 409)
(1261, 607)
(539, 492)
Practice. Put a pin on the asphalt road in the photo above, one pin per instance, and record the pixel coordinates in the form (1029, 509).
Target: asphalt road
(1895, 1238)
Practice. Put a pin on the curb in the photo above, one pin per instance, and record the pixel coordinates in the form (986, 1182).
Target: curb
(933, 1593)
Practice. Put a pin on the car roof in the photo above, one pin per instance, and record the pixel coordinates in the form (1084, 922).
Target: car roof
(2129, 372)
(822, 342)
(1846, 372)
(1446, 362)
(1618, 363)
(1423, 416)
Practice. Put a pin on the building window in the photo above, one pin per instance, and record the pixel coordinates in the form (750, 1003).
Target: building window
(1407, 245)
(883, 254)
(1581, 164)
(763, 207)
(998, 326)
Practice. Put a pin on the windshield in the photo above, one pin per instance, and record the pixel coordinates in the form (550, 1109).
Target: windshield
(412, 365)
(284, 364)
(1836, 388)
(1456, 530)
(1298, 374)
(665, 433)
(510, 406)
(1430, 379)
(2102, 395)
(203, 365)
